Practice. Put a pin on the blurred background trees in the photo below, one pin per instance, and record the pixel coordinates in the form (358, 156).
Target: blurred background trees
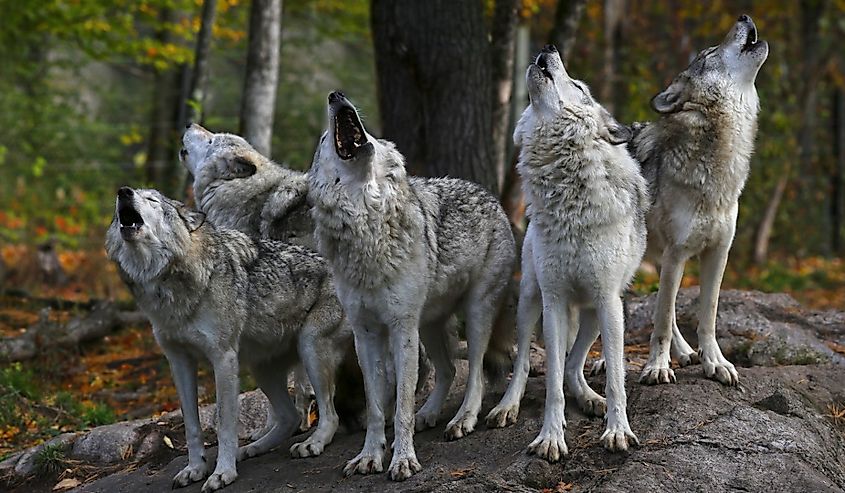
(95, 94)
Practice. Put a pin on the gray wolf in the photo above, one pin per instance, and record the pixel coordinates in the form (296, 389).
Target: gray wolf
(406, 254)
(585, 239)
(239, 188)
(696, 160)
(219, 295)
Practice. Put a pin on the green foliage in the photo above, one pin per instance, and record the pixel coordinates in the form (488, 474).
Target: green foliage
(98, 414)
(51, 459)
(15, 379)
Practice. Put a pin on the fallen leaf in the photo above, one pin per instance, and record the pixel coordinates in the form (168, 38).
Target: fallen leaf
(168, 441)
(66, 484)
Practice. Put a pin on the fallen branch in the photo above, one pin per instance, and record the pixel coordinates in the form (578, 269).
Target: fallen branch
(103, 319)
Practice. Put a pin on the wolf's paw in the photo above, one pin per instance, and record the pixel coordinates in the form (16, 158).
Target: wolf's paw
(718, 368)
(219, 480)
(402, 468)
(654, 373)
(619, 438)
(593, 404)
(549, 445)
(424, 420)
(688, 359)
(461, 427)
(190, 474)
(247, 452)
(309, 448)
(598, 367)
(502, 415)
(364, 463)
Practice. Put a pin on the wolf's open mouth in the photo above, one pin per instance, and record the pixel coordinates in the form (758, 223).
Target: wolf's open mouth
(543, 65)
(130, 220)
(750, 40)
(348, 133)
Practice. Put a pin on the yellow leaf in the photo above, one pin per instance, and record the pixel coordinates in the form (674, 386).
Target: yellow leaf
(168, 441)
(66, 484)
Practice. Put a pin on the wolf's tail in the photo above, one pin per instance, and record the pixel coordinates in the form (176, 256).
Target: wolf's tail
(498, 359)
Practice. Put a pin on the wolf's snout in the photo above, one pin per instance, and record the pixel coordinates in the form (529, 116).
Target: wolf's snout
(744, 18)
(549, 49)
(125, 193)
(337, 97)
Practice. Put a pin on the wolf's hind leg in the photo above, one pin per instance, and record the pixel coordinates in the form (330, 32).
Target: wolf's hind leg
(320, 363)
(303, 392)
(439, 343)
(590, 402)
(269, 377)
(681, 350)
(713, 262)
(527, 314)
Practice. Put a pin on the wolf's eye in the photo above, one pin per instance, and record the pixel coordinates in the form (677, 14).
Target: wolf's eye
(152, 200)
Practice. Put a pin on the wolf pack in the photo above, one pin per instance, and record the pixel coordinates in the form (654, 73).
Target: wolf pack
(359, 279)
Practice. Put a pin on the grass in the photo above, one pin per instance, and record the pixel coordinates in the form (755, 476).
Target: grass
(51, 459)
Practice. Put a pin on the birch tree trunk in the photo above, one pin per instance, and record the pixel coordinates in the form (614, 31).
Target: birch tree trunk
(262, 74)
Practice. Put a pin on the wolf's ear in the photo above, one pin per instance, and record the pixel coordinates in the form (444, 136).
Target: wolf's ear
(240, 167)
(193, 219)
(671, 100)
(613, 131)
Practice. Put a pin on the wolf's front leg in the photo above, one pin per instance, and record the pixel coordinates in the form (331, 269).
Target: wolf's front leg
(184, 370)
(618, 434)
(371, 350)
(226, 383)
(550, 444)
(405, 342)
(713, 262)
(657, 368)
(527, 314)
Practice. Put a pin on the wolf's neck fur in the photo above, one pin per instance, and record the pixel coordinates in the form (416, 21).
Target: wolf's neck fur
(574, 180)
(706, 151)
(366, 233)
(237, 204)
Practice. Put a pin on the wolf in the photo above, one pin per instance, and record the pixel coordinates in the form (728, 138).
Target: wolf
(217, 294)
(696, 160)
(406, 254)
(238, 188)
(586, 236)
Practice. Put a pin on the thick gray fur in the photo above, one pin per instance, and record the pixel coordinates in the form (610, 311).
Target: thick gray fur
(696, 160)
(218, 295)
(586, 204)
(407, 253)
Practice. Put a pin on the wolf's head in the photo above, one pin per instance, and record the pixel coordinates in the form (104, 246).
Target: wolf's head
(147, 231)
(560, 101)
(209, 156)
(717, 72)
(349, 156)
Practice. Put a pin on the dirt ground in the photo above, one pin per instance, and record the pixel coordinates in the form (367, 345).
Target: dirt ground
(780, 433)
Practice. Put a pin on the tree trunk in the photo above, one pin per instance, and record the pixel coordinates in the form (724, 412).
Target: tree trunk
(434, 86)
(195, 107)
(567, 16)
(161, 147)
(262, 74)
(502, 46)
(838, 171)
(613, 11)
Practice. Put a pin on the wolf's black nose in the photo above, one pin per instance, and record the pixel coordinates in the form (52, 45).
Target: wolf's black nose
(188, 126)
(744, 18)
(336, 97)
(550, 49)
(125, 192)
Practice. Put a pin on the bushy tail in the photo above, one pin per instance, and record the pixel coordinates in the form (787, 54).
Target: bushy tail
(498, 359)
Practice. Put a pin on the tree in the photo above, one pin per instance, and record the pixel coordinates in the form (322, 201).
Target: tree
(262, 74)
(502, 46)
(567, 15)
(434, 85)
